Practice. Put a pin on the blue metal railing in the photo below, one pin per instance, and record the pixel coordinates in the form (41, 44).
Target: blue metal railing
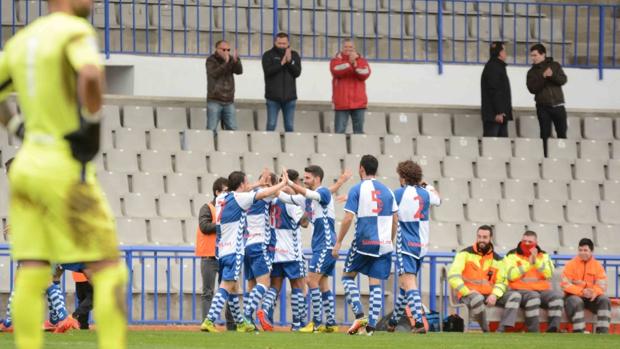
(432, 31)
(148, 292)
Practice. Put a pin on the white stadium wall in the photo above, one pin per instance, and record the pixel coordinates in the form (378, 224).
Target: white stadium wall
(389, 83)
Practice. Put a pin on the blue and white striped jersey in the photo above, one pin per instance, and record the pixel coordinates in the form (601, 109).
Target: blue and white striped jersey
(413, 219)
(231, 218)
(285, 220)
(258, 222)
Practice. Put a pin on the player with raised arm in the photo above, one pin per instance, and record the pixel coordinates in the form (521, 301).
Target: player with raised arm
(371, 250)
(231, 210)
(414, 199)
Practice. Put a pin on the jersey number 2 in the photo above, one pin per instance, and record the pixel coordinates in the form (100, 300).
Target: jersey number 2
(418, 214)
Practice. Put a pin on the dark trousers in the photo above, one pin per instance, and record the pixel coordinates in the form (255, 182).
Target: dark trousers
(84, 292)
(209, 268)
(494, 129)
(547, 116)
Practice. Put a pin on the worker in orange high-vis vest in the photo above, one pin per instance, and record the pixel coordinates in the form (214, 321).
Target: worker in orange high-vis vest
(205, 249)
(585, 283)
(529, 270)
(478, 276)
(84, 293)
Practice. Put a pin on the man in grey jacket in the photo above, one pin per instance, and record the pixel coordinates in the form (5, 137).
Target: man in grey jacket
(221, 67)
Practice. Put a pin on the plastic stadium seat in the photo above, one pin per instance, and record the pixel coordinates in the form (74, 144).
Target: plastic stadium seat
(514, 211)
(138, 117)
(265, 142)
(465, 147)
(454, 188)
(443, 237)
(261, 20)
(162, 139)
(333, 144)
(598, 128)
(192, 283)
(500, 148)
(521, 189)
(431, 166)
(590, 170)
(113, 182)
(390, 181)
(562, 148)
(121, 161)
(261, 121)
(557, 169)
(131, 231)
(528, 126)
(179, 183)
(436, 124)
(492, 168)
(329, 123)
(518, 29)
(431, 146)
(198, 201)
(507, 235)
(483, 188)
(130, 139)
(482, 210)
(395, 144)
(307, 121)
(147, 183)
(585, 190)
(529, 148)
(489, 28)
(467, 125)
(171, 118)
(254, 163)
(174, 206)
(114, 201)
(388, 165)
(611, 190)
(232, 19)
(365, 144)
(299, 143)
(232, 141)
(449, 211)
(454, 166)
(608, 211)
(405, 124)
(206, 183)
(162, 284)
(553, 190)
(524, 168)
(548, 236)
(329, 23)
(398, 5)
(338, 4)
(245, 119)
(154, 161)
(375, 123)
(613, 169)
(423, 26)
(224, 163)
(293, 161)
(583, 212)
(573, 124)
(352, 161)
(456, 27)
(607, 238)
(615, 148)
(198, 118)
(330, 164)
(392, 25)
(594, 149)
(139, 205)
(166, 231)
(198, 140)
(572, 233)
(548, 211)
(367, 5)
(469, 231)
(111, 118)
(295, 21)
(190, 162)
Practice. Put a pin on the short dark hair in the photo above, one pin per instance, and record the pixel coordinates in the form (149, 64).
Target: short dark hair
(281, 35)
(292, 174)
(540, 48)
(586, 242)
(315, 171)
(410, 171)
(530, 233)
(235, 179)
(219, 42)
(370, 164)
(219, 185)
(7, 164)
(272, 178)
(487, 228)
(495, 48)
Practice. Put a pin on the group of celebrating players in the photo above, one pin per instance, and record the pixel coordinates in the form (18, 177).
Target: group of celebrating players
(258, 228)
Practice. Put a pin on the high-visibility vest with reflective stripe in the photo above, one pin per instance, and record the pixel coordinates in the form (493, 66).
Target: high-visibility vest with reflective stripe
(205, 243)
(578, 275)
(473, 271)
(79, 277)
(522, 275)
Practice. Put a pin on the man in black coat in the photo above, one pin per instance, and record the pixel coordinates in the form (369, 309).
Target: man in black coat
(281, 67)
(496, 107)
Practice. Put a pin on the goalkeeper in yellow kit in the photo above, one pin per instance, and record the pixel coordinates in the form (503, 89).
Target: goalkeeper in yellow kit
(57, 211)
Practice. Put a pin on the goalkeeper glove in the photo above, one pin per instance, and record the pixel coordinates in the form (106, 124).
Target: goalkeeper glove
(84, 141)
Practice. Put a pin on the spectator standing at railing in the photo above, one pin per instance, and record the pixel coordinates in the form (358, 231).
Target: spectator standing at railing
(205, 249)
(496, 106)
(281, 67)
(478, 276)
(584, 283)
(221, 68)
(349, 73)
(545, 80)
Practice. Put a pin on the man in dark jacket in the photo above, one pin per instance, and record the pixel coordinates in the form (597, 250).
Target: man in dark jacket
(545, 80)
(496, 107)
(221, 66)
(281, 67)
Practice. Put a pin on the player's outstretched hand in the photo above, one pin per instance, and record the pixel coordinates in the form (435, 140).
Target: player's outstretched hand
(342, 198)
(336, 250)
(346, 175)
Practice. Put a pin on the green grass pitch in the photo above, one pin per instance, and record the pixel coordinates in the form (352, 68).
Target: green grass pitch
(381, 340)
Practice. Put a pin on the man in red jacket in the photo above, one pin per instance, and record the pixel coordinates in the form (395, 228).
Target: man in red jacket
(349, 71)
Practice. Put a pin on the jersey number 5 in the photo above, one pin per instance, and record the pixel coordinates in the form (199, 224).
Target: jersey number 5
(375, 198)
